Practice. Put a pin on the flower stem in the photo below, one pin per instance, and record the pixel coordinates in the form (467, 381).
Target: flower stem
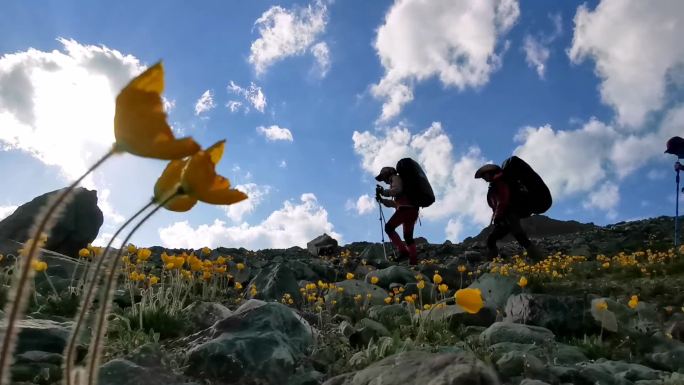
(15, 309)
(100, 329)
(86, 302)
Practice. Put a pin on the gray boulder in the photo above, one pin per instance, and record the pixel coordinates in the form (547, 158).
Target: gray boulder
(259, 341)
(78, 225)
(510, 332)
(367, 330)
(351, 288)
(420, 368)
(496, 289)
(203, 315)
(322, 245)
(273, 282)
(375, 255)
(560, 314)
(392, 274)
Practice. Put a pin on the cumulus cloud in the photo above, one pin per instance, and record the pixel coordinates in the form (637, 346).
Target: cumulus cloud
(455, 41)
(292, 225)
(636, 47)
(321, 53)
(363, 205)
(205, 103)
(458, 194)
(283, 164)
(58, 106)
(453, 230)
(606, 198)
(537, 49)
(274, 133)
(256, 195)
(289, 32)
(6, 211)
(252, 94)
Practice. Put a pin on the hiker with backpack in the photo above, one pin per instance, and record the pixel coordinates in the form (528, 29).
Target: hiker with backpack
(515, 192)
(409, 190)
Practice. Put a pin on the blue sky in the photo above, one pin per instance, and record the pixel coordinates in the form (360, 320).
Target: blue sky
(314, 97)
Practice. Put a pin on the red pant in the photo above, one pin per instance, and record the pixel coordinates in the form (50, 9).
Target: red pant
(405, 216)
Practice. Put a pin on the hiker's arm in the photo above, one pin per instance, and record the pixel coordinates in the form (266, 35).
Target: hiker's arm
(395, 187)
(503, 195)
(388, 202)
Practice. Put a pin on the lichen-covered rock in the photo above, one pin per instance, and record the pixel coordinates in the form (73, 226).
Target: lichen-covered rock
(496, 289)
(204, 314)
(560, 314)
(393, 274)
(510, 332)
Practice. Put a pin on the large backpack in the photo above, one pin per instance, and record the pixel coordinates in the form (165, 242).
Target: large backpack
(529, 193)
(415, 183)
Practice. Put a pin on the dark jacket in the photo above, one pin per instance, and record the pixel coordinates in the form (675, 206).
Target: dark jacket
(499, 196)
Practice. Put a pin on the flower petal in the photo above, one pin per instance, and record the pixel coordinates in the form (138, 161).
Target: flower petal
(469, 299)
(222, 197)
(216, 151)
(181, 203)
(140, 126)
(169, 181)
(199, 174)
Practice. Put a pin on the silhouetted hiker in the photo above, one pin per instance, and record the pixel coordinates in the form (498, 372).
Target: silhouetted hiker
(410, 190)
(405, 215)
(506, 212)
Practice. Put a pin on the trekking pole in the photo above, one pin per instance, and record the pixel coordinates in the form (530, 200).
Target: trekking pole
(676, 235)
(382, 230)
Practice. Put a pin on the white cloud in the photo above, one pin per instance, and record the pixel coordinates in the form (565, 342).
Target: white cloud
(536, 54)
(636, 47)
(453, 230)
(536, 48)
(169, 104)
(58, 107)
(292, 225)
(285, 32)
(606, 198)
(363, 205)
(321, 52)
(205, 103)
(455, 41)
(6, 211)
(110, 214)
(256, 195)
(274, 133)
(457, 192)
(657, 174)
(253, 95)
(233, 105)
(283, 164)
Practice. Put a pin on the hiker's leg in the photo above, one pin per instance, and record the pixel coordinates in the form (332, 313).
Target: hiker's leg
(410, 216)
(390, 229)
(518, 232)
(498, 231)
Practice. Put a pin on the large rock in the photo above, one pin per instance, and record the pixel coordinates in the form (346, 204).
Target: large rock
(203, 315)
(456, 317)
(392, 274)
(420, 368)
(375, 255)
(322, 245)
(560, 314)
(615, 372)
(75, 229)
(260, 341)
(496, 289)
(365, 331)
(392, 316)
(351, 288)
(275, 281)
(522, 334)
(142, 367)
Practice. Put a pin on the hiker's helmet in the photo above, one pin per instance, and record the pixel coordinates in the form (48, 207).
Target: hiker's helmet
(487, 169)
(385, 173)
(675, 146)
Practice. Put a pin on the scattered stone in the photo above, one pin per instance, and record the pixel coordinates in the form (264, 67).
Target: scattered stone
(510, 332)
(322, 245)
(393, 274)
(203, 315)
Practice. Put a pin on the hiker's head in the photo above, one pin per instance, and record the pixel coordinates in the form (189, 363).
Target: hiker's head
(675, 146)
(487, 172)
(385, 174)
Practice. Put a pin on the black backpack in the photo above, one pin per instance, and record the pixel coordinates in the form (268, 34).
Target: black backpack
(529, 193)
(415, 183)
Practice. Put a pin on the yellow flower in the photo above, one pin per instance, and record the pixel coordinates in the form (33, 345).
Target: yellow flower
(340, 289)
(374, 280)
(437, 279)
(388, 300)
(461, 268)
(633, 302)
(350, 276)
(606, 265)
(153, 280)
(144, 254)
(420, 284)
(201, 182)
(169, 184)
(221, 260)
(443, 288)
(84, 253)
(469, 299)
(169, 266)
(206, 250)
(131, 249)
(238, 286)
(140, 126)
(358, 297)
(39, 266)
(240, 266)
(601, 305)
(427, 306)
(522, 282)
(409, 299)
